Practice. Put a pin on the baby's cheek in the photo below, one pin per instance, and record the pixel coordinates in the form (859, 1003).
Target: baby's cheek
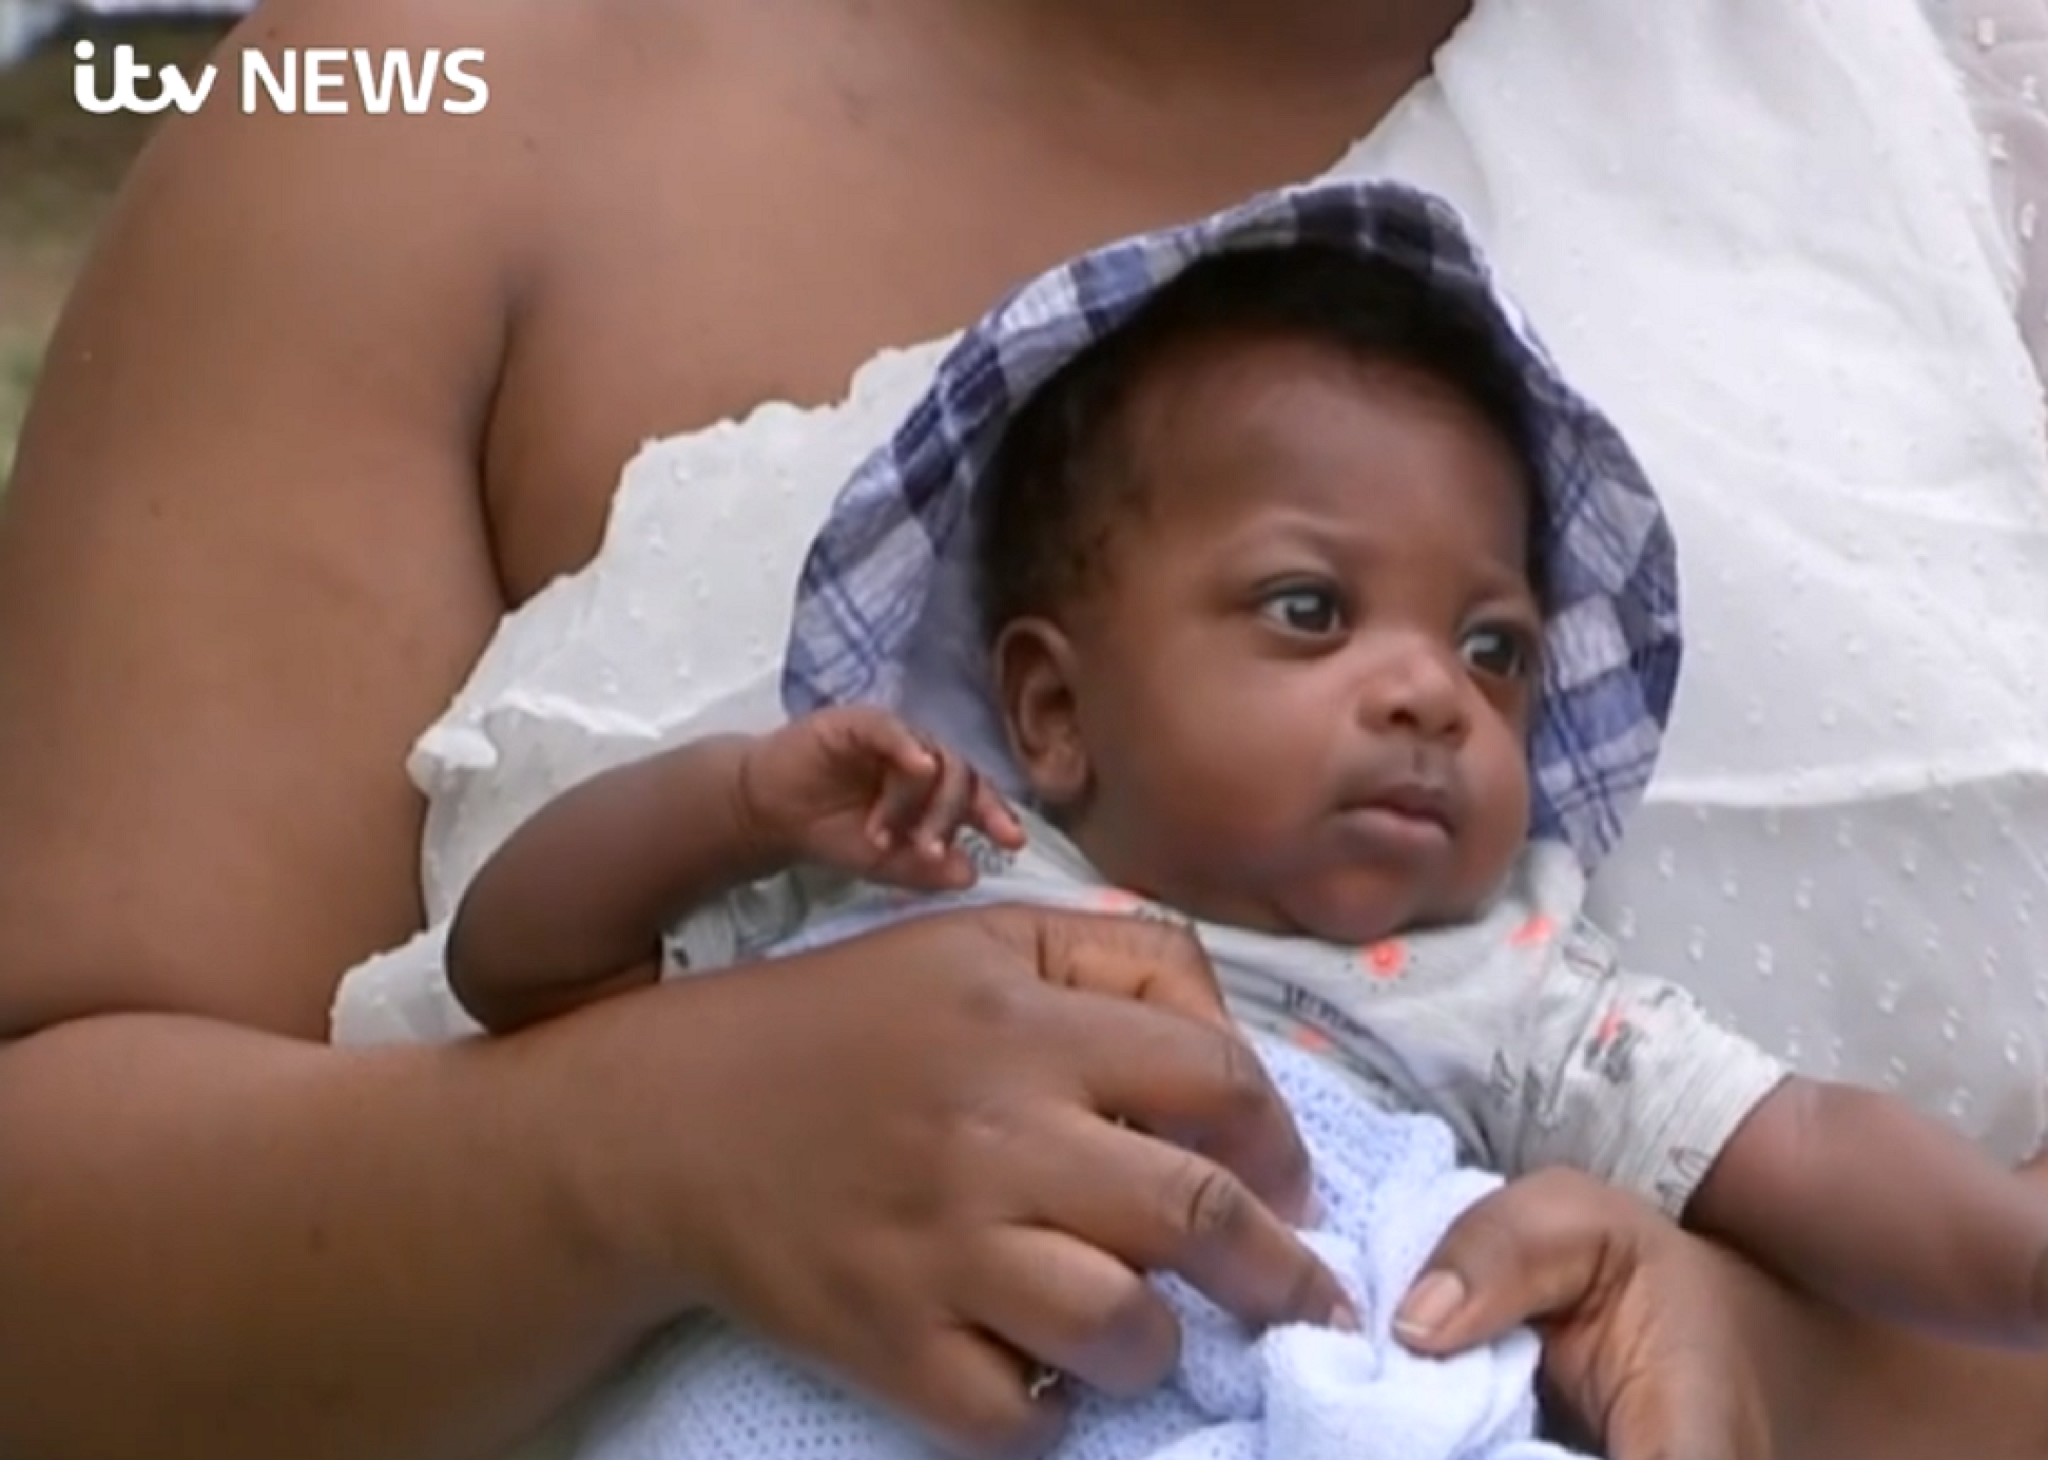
(1224, 812)
(1498, 768)
(1243, 758)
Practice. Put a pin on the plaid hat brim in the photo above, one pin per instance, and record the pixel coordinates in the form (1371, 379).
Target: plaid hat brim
(886, 607)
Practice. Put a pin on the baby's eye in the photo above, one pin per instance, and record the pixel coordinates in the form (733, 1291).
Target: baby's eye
(1498, 650)
(1303, 610)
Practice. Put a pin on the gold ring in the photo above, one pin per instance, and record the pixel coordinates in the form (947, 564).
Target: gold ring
(1044, 1379)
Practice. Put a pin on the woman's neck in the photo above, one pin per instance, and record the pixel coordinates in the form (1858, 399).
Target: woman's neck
(1212, 98)
(1234, 46)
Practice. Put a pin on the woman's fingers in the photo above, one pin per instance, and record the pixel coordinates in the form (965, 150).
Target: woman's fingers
(892, 1252)
(1207, 1182)
(1530, 1249)
(1199, 1085)
(1137, 959)
(1162, 1208)
(980, 1399)
(1079, 1311)
(1637, 1340)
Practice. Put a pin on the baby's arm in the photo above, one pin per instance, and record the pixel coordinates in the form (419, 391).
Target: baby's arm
(1844, 1192)
(572, 907)
(1857, 1197)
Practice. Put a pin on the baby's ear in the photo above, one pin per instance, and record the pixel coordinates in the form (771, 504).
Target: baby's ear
(1034, 674)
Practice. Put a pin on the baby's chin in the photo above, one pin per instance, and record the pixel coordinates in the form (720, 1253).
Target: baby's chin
(1358, 909)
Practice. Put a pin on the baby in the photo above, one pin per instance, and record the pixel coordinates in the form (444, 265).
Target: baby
(1312, 610)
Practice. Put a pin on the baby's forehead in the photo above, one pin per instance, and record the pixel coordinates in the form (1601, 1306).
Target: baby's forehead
(1304, 434)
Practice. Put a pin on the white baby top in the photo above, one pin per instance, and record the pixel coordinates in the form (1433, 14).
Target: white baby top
(1761, 233)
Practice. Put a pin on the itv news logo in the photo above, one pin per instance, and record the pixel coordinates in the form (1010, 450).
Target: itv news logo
(316, 81)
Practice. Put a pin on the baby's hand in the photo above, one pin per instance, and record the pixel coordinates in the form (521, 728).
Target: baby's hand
(856, 789)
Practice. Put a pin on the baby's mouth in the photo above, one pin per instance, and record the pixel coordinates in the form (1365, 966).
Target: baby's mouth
(1410, 819)
(1419, 801)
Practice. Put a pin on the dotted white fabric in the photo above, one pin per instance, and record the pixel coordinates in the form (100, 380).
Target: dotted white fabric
(1782, 245)
(2000, 47)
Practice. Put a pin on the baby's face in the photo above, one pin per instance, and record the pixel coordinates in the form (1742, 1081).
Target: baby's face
(1301, 699)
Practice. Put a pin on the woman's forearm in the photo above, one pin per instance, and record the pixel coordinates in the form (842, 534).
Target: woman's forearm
(219, 1245)
(1838, 1385)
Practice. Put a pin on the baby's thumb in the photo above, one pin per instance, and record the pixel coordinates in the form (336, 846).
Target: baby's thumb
(874, 734)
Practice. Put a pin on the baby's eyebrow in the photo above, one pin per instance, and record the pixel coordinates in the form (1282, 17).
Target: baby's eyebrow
(1503, 579)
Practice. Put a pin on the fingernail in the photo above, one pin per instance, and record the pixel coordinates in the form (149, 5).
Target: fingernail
(1344, 1318)
(1430, 1305)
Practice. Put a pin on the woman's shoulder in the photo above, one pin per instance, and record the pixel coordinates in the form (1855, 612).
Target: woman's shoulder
(243, 556)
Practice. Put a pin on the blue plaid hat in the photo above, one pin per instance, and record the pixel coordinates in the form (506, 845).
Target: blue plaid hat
(886, 609)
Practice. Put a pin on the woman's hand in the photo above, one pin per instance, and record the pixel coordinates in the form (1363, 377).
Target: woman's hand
(927, 1162)
(1642, 1348)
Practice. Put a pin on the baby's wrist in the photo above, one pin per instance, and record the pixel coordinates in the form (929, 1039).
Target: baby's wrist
(762, 829)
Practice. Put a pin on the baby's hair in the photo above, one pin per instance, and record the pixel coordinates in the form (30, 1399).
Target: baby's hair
(1061, 483)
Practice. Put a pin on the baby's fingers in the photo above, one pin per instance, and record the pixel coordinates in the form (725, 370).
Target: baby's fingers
(992, 817)
(906, 790)
(867, 747)
(946, 808)
(904, 866)
(1148, 962)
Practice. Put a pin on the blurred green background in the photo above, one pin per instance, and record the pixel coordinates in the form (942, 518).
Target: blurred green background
(59, 167)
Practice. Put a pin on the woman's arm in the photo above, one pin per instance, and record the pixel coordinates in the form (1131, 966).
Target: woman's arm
(242, 563)
(237, 1245)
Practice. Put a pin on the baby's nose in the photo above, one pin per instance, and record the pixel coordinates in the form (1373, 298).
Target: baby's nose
(1415, 688)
